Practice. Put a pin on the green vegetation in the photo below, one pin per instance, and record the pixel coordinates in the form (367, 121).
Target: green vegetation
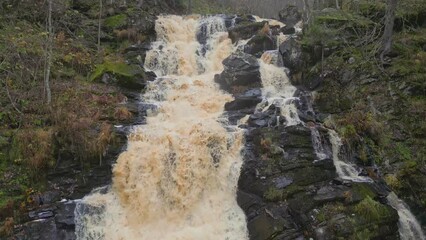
(116, 21)
(329, 210)
(371, 211)
(78, 124)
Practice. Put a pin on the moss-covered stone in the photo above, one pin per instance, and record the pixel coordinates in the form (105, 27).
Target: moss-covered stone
(129, 76)
(116, 21)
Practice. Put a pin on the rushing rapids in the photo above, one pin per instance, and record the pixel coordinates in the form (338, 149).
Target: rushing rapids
(178, 177)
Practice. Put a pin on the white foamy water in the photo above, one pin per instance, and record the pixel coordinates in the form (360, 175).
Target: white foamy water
(178, 178)
(277, 89)
(271, 22)
(344, 170)
(409, 227)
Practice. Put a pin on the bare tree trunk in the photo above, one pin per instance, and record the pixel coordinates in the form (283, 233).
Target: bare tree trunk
(337, 4)
(99, 25)
(49, 55)
(306, 14)
(189, 6)
(388, 33)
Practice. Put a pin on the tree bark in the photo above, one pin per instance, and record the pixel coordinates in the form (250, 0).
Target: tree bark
(388, 32)
(49, 55)
(99, 25)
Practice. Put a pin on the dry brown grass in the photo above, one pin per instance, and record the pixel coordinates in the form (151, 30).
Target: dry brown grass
(102, 141)
(81, 118)
(7, 228)
(122, 114)
(265, 30)
(35, 146)
(130, 34)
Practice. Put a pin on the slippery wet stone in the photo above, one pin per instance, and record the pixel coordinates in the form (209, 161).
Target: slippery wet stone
(241, 69)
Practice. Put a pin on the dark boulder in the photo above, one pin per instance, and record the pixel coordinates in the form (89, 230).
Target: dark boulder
(288, 30)
(135, 54)
(291, 53)
(259, 44)
(45, 229)
(239, 20)
(246, 30)
(248, 99)
(290, 16)
(241, 69)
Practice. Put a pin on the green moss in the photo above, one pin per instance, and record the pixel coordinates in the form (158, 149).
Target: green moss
(370, 210)
(364, 234)
(273, 194)
(348, 132)
(116, 68)
(363, 190)
(329, 210)
(403, 151)
(116, 21)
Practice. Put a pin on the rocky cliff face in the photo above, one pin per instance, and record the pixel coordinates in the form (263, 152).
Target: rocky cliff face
(288, 188)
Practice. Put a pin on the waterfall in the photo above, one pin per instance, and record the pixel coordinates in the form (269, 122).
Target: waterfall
(317, 144)
(277, 89)
(344, 170)
(409, 227)
(178, 177)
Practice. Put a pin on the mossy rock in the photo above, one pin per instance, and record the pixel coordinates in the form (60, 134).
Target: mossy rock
(128, 76)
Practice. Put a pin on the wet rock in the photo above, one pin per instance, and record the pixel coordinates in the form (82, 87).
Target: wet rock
(259, 44)
(290, 16)
(49, 197)
(248, 99)
(291, 53)
(45, 229)
(245, 19)
(288, 30)
(264, 226)
(282, 182)
(40, 214)
(135, 54)
(241, 69)
(269, 118)
(330, 194)
(65, 215)
(245, 31)
(249, 203)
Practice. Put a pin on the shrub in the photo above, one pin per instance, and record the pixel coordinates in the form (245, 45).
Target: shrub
(393, 181)
(7, 228)
(122, 114)
(370, 210)
(34, 147)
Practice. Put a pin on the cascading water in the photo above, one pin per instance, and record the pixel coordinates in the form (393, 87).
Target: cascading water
(277, 89)
(344, 170)
(178, 177)
(317, 144)
(409, 227)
